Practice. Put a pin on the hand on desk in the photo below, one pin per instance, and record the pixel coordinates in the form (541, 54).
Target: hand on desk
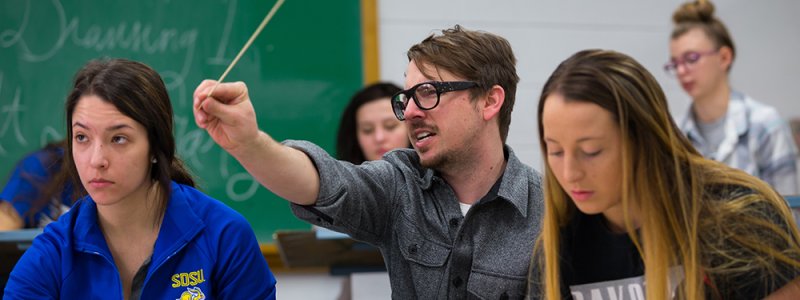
(9, 218)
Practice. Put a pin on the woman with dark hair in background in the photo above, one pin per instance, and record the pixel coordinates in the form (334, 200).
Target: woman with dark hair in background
(140, 230)
(367, 130)
(368, 127)
(724, 124)
(628, 199)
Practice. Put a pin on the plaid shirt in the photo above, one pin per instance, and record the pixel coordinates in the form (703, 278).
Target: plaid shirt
(412, 215)
(756, 141)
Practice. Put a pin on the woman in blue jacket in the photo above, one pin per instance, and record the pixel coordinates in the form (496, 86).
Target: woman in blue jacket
(141, 231)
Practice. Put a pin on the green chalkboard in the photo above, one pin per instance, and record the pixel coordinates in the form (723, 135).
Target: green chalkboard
(300, 72)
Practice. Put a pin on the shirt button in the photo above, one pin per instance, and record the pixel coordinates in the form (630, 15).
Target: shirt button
(457, 281)
(413, 249)
(454, 222)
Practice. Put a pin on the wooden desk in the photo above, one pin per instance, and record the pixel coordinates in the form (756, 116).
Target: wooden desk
(341, 255)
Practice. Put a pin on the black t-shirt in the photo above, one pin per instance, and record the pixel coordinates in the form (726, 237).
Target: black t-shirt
(599, 264)
(596, 261)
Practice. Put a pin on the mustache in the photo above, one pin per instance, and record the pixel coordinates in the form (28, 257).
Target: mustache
(418, 124)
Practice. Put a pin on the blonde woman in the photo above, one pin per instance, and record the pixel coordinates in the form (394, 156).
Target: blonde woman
(628, 200)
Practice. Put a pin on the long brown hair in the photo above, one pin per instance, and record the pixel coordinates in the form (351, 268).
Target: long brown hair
(347, 147)
(138, 92)
(713, 221)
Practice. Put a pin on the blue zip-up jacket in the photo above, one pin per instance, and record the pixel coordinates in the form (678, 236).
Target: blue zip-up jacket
(204, 248)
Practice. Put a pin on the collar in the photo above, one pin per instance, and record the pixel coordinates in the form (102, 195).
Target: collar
(179, 226)
(509, 187)
(735, 117)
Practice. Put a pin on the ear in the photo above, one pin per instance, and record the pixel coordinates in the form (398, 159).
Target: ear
(495, 98)
(726, 57)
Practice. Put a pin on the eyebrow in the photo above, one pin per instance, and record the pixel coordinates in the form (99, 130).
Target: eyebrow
(580, 140)
(112, 128)
(684, 53)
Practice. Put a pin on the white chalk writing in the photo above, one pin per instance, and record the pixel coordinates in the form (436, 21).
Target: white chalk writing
(10, 113)
(67, 29)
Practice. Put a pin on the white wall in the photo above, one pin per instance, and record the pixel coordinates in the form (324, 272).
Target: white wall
(544, 33)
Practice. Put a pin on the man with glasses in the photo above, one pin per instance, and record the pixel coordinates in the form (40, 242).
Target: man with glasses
(457, 216)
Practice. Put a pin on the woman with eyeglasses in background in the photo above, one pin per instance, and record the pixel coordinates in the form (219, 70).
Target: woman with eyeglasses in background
(722, 123)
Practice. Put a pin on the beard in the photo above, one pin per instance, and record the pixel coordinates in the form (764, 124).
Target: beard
(452, 159)
(450, 156)
(437, 162)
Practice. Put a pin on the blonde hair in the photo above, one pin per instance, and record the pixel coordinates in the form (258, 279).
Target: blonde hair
(713, 221)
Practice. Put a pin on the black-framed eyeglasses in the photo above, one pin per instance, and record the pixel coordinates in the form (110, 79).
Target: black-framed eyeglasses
(688, 60)
(426, 95)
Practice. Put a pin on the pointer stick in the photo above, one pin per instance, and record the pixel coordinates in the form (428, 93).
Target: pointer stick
(247, 45)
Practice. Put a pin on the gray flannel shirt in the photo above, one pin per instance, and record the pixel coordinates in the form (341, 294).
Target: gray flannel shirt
(412, 215)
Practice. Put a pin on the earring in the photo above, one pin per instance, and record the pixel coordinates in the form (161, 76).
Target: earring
(154, 160)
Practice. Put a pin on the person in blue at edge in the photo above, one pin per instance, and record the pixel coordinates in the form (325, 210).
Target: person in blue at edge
(143, 231)
(36, 192)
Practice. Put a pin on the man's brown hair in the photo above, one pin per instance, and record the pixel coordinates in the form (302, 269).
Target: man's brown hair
(478, 56)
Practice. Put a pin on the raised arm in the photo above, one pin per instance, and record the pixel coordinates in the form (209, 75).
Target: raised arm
(228, 116)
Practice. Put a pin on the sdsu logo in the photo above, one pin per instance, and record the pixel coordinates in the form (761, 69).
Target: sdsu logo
(192, 293)
(188, 279)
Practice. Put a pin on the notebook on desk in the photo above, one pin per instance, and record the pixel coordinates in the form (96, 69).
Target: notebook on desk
(327, 234)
